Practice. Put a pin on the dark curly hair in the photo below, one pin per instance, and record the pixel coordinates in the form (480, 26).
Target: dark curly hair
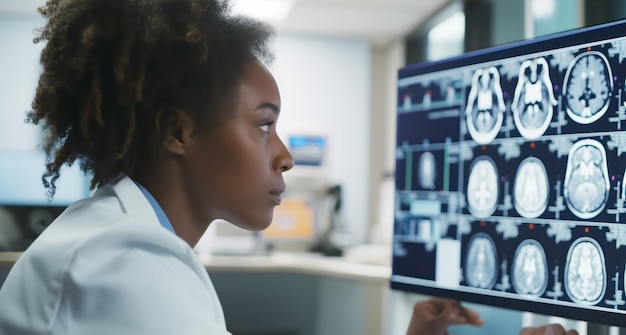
(114, 70)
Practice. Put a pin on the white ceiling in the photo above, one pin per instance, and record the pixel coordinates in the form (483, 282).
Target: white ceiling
(376, 20)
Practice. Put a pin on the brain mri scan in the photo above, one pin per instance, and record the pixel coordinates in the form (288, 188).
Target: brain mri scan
(426, 172)
(533, 100)
(586, 186)
(485, 106)
(585, 272)
(530, 270)
(481, 266)
(482, 187)
(531, 188)
(587, 87)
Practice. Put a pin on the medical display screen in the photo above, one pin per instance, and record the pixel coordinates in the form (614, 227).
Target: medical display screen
(307, 149)
(510, 176)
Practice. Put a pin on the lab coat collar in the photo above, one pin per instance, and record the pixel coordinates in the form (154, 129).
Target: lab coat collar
(161, 216)
(132, 200)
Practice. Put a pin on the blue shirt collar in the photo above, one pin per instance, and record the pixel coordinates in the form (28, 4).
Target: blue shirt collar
(163, 220)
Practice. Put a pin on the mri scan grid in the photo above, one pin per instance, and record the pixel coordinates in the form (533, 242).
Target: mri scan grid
(511, 177)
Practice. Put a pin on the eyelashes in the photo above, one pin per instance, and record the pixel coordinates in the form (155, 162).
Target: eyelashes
(265, 125)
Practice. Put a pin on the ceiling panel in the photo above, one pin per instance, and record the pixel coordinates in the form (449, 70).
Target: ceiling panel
(376, 20)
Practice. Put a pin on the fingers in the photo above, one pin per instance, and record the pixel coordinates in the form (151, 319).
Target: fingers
(433, 316)
(455, 314)
(551, 329)
(466, 315)
(442, 303)
(472, 317)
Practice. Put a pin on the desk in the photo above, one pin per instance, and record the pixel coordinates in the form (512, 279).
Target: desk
(282, 293)
(299, 263)
(303, 293)
(7, 259)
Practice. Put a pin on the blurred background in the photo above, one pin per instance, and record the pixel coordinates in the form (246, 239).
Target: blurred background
(329, 249)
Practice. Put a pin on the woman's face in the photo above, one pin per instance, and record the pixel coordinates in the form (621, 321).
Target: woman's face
(234, 170)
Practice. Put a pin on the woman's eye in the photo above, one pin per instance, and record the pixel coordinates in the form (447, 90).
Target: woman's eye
(265, 126)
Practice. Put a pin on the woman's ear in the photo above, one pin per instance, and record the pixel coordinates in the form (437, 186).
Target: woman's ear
(177, 129)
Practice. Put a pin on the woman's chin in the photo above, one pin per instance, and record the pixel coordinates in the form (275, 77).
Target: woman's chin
(252, 224)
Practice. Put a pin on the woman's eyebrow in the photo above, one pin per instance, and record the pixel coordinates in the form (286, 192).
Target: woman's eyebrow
(270, 106)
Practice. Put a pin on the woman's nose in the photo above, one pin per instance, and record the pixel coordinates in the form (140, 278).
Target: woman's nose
(284, 161)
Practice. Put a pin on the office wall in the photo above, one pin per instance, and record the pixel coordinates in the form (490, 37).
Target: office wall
(382, 143)
(508, 28)
(325, 86)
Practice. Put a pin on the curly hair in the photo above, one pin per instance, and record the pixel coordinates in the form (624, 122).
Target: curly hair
(114, 70)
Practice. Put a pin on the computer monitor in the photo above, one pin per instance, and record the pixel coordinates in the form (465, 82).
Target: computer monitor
(308, 149)
(510, 176)
(25, 206)
(21, 184)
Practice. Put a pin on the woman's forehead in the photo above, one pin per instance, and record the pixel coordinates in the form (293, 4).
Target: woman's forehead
(259, 82)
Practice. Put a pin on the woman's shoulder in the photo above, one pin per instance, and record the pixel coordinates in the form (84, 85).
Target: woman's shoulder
(95, 249)
(101, 224)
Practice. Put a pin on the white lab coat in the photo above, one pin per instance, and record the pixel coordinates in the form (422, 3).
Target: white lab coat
(107, 266)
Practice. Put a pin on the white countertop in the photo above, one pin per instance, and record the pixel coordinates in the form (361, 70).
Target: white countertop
(9, 258)
(299, 263)
(279, 262)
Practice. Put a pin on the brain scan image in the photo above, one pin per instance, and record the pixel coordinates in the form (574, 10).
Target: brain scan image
(531, 188)
(585, 272)
(530, 269)
(426, 172)
(533, 100)
(481, 266)
(586, 185)
(587, 87)
(485, 106)
(482, 187)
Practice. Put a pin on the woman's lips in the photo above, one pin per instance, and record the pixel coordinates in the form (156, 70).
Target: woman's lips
(276, 198)
(276, 194)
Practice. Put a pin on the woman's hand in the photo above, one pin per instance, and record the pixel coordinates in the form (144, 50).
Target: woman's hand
(433, 316)
(551, 329)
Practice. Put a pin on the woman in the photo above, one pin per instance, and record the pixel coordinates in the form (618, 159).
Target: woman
(167, 104)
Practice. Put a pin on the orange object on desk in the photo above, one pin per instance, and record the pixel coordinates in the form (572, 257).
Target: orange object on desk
(293, 220)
